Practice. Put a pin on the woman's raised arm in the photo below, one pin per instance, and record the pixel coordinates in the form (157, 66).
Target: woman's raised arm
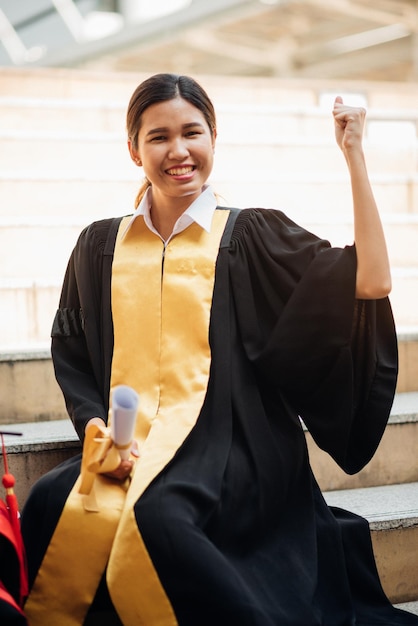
(373, 279)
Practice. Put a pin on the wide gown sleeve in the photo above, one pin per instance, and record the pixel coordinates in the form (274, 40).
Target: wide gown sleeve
(334, 358)
(83, 319)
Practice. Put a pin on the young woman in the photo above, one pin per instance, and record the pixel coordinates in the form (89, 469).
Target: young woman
(230, 325)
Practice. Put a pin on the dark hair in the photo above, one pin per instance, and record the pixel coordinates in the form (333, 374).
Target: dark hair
(160, 88)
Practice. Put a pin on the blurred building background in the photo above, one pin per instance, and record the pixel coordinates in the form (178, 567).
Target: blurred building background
(272, 68)
(342, 39)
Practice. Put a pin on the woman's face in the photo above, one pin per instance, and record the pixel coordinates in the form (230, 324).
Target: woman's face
(175, 147)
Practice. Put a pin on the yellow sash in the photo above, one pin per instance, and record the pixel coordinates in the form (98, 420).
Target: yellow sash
(161, 309)
(76, 557)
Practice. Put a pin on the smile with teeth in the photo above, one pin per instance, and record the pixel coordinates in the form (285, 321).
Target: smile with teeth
(181, 171)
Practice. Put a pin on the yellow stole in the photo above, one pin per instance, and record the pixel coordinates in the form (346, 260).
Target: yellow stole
(161, 309)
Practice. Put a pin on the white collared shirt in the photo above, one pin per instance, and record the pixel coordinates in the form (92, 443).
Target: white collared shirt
(200, 211)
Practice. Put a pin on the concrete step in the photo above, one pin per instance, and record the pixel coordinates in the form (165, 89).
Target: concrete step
(55, 151)
(28, 389)
(29, 392)
(404, 296)
(55, 114)
(27, 310)
(47, 243)
(63, 195)
(401, 232)
(307, 196)
(395, 460)
(408, 359)
(242, 159)
(40, 447)
(392, 512)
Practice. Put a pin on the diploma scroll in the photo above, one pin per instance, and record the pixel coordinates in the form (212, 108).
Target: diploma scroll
(125, 403)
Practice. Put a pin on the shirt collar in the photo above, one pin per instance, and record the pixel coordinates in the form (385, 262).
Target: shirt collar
(200, 211)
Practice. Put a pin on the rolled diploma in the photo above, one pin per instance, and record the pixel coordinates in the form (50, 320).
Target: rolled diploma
(125, 403)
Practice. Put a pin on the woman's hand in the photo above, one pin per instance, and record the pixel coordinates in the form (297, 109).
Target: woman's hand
(349, 126)
(124, 469)
(122, 472)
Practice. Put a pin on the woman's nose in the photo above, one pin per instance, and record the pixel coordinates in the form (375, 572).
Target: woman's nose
(178, 149)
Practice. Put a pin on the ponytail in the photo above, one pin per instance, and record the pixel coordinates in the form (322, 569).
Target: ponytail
(141, 192)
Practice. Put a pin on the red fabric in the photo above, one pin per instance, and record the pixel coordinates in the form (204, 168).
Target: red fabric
(10, 530)
(6, 528)
(5, 596)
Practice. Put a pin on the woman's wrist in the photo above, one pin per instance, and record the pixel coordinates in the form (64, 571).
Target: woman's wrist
(95, 421)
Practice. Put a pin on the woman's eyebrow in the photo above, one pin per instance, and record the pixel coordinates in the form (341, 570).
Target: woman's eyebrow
(165, 129)
(190, 124)
(157, 130)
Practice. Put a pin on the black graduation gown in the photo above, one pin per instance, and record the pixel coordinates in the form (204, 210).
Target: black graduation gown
(235, 524)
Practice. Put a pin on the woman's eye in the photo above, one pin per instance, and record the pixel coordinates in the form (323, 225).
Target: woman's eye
(158, 138)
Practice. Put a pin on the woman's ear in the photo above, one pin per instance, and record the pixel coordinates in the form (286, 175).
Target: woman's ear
(214, 135)
(134, 154)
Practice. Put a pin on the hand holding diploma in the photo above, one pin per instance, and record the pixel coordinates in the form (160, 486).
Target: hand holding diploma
(124, 410)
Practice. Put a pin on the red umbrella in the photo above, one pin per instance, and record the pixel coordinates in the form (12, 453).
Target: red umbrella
(13, 571)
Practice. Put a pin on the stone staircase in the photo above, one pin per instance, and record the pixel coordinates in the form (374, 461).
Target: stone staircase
(63, 163)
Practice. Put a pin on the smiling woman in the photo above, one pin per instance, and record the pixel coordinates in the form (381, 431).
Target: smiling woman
(229, 324)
